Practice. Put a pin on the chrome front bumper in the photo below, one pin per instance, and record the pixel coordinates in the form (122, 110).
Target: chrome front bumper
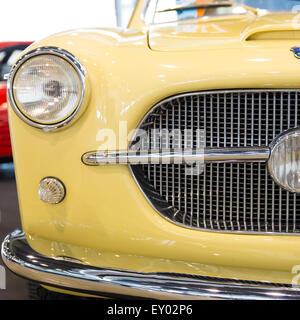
(20, 258)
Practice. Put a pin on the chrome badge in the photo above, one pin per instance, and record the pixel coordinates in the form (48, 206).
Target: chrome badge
(296, 51)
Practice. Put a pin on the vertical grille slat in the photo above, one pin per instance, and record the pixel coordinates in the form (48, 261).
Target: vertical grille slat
(203, 184)
(234, 197)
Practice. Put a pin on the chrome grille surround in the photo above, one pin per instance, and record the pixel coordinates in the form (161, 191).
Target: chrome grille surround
(226, 197)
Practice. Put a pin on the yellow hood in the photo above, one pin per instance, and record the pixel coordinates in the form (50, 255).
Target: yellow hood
(198, 33)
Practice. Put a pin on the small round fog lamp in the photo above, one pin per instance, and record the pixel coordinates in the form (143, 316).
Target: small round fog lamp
(284, 163)
(51, 190)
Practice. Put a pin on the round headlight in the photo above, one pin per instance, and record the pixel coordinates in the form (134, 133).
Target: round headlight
(46, 88)
(284, 163)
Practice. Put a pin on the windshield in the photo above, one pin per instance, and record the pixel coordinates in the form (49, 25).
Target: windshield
(174, 10)
(273, 5)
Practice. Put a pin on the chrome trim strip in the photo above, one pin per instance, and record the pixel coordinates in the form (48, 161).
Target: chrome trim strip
(220, 155)
(74, 62)
(21, 259)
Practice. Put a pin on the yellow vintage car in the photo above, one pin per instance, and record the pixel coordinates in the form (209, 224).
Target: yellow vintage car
(162, 160)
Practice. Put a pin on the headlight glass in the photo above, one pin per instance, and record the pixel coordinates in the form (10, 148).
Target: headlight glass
(284, 163)
(47, 89)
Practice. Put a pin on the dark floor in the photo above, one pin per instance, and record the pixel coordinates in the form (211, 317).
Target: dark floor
(16, 288)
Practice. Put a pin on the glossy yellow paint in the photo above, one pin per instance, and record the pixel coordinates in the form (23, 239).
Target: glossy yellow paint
(105, 220)
(224, 31)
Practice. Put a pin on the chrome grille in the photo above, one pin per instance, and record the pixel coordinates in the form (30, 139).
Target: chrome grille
(234, 197)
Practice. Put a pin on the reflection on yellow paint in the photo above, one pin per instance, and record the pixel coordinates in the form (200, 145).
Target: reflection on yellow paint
(105, 220)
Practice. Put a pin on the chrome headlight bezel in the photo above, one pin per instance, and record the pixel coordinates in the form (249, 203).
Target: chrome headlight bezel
(74, 62)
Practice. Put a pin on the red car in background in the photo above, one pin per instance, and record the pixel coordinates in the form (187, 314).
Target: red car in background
(11, 44)
(9, 51)
(5, 147)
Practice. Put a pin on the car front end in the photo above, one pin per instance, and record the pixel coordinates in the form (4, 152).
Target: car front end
(102, 219)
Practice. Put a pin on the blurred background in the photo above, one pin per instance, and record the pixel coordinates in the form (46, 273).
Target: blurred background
(34, 19)
(23, 22)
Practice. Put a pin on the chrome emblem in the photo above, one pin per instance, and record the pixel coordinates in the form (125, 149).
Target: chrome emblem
(296, 51)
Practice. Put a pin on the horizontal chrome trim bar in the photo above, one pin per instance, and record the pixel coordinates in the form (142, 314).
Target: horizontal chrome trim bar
(94, 158)
(21, 259)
